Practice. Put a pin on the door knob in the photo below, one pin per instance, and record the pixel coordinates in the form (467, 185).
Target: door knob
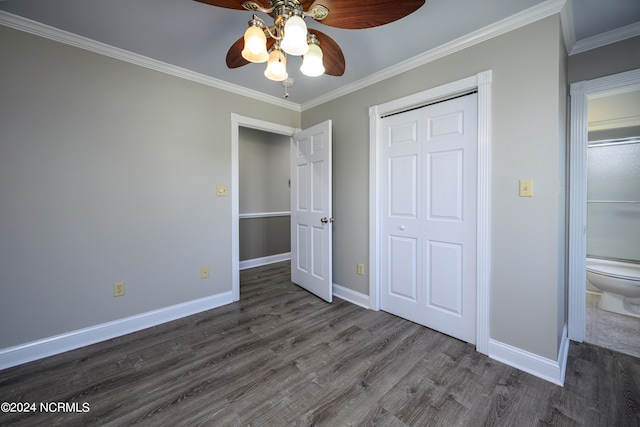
(326, 220)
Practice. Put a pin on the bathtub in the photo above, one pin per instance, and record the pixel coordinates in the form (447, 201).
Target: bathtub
(619, 282)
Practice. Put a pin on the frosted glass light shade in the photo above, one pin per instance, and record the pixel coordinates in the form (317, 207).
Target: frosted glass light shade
(312, 62)
(295, 36)
(255, 45)
(276, 67)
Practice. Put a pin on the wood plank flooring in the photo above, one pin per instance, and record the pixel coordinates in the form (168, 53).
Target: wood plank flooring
(281, 356)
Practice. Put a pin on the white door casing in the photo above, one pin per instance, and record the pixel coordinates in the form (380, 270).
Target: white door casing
(428, 216)
(311, 210)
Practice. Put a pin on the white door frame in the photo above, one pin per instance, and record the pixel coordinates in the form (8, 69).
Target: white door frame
(482, 82)
(577, 274)
(238, 121)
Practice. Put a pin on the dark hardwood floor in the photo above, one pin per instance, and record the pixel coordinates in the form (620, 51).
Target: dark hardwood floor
(281, 356)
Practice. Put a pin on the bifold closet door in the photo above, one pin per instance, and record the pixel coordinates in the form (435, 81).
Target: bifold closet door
(428, 164)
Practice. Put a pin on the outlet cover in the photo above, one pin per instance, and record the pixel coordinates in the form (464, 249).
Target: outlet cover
(204, 272)
(118, 289)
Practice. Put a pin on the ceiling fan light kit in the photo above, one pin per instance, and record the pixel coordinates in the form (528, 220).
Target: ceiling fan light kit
(289, 34)
(312, 60)
(294, 41)
(255, 43)
(277, 66)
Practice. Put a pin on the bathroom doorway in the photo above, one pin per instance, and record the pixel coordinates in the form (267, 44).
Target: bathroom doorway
(613, 229)
(597, 115)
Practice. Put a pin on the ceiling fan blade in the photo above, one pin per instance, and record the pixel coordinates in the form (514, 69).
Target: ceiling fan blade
(233, 4)
(229, 4)
(234, 55)
(354, 15)
(332, 56)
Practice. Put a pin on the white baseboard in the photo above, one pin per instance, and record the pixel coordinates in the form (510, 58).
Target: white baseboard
(257, 262)
(352, 296)
(547, 369)
(23, 353)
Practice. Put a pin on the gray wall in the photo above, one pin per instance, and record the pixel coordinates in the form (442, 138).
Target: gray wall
(264, 237)
(605, 61)
(263, 171)
(108, 173)
(562, 214)
(527, 269)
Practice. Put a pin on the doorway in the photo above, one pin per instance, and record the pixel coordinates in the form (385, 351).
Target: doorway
(580, 93)
(264, 193)
(311, 264)
(482, 83)
(238, 121)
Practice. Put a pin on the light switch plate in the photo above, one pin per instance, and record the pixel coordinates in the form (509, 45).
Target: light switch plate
(222, 190)
(526, 188)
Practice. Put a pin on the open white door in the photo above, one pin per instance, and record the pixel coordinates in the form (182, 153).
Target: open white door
(311, 266)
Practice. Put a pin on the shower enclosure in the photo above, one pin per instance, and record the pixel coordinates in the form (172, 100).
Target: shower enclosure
(613, 199)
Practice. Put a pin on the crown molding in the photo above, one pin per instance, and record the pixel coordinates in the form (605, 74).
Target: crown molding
(61, 36)
(526, 17)
(568, 28)
(610, 37)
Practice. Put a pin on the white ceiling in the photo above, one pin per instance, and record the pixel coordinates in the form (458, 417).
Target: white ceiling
(196, 36)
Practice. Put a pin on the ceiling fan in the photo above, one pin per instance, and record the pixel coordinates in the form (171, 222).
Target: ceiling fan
(289, 34)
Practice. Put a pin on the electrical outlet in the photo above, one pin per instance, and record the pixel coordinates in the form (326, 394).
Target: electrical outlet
(118, 289)
(204, 272)
(361, 269)
(222, 190)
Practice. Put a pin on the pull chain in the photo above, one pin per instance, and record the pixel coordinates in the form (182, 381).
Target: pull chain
(287, 83)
